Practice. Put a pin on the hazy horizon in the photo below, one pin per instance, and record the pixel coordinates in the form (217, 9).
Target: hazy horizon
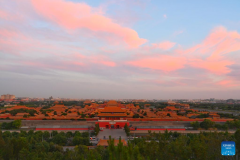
(140, 49)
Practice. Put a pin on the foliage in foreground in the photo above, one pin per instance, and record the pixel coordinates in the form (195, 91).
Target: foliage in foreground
(206, 124)
(162, 146)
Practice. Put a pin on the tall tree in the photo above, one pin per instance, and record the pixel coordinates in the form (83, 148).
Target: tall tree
(97, 129)
(17, 123)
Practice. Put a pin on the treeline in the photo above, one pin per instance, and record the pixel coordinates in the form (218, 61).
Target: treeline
(48, 104)
(223, 106)
(156, 146)
(228, 115)
(206, 124)
(158, 105)
(34, 103)
(16, 124)
(15, 111)
(38, 145)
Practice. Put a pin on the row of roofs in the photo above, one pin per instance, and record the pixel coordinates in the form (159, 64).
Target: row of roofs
(107, 109)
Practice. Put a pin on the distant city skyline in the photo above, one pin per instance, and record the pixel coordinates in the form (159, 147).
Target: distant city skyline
(138, 49)
(98, 99)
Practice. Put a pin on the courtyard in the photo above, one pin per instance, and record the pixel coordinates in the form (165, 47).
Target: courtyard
(114, 133)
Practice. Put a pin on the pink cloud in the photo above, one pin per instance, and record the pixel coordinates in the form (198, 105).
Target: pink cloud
(214, 48)
(72, 62)
(159, 62)
(108, 63)
(15, 10)
(214, 66)
(103, 60)
(12, 41)
(3, 14)
(78, 58)
(227, 83)
(59, 65)
(210, 55)
(4, 33)
(16, 43)
(166, 45)
(79, 16)
(218, 42)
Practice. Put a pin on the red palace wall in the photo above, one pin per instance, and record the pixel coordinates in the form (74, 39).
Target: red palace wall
(105, 124)
(162, 129)
(112, 118)
(185, 120)
(59, 129)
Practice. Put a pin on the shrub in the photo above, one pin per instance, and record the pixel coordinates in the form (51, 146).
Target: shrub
(195, 125)
(207, 124)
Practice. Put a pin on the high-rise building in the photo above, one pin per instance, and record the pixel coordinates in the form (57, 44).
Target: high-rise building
(7, 96)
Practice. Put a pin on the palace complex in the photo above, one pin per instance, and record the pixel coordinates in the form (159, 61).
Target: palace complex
(108, 113)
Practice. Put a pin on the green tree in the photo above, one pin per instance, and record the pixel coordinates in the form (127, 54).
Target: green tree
(54, 133)
(77, 133)
(207, 124)
(69, 134)
(127, 129)
(136, 116)
(85, 134)
(46, 135)
(136, 153)
(17, 123)
(23, 134)
(111, 147)
(7, 151)
(97, 129)
(225, 127)
(77, 140)
(195, 125)
(203, 116)
(59, 139)
(237, 137)
(18, 144)
(120, 148)
(81, 149)
(6, 125)
(30, 133)
(83, 115)
(24, 154)
(2, 143)
(32, 112)
(145, 114)
(64, 114)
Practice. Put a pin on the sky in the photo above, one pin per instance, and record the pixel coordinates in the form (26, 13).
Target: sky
(114, 49)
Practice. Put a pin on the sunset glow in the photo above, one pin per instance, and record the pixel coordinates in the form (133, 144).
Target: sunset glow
(119, 49)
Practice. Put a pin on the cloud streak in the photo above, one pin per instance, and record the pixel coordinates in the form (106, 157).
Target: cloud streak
(210, 55)
(81, 16)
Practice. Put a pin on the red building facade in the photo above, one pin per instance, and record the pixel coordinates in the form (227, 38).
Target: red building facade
(112, 124)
